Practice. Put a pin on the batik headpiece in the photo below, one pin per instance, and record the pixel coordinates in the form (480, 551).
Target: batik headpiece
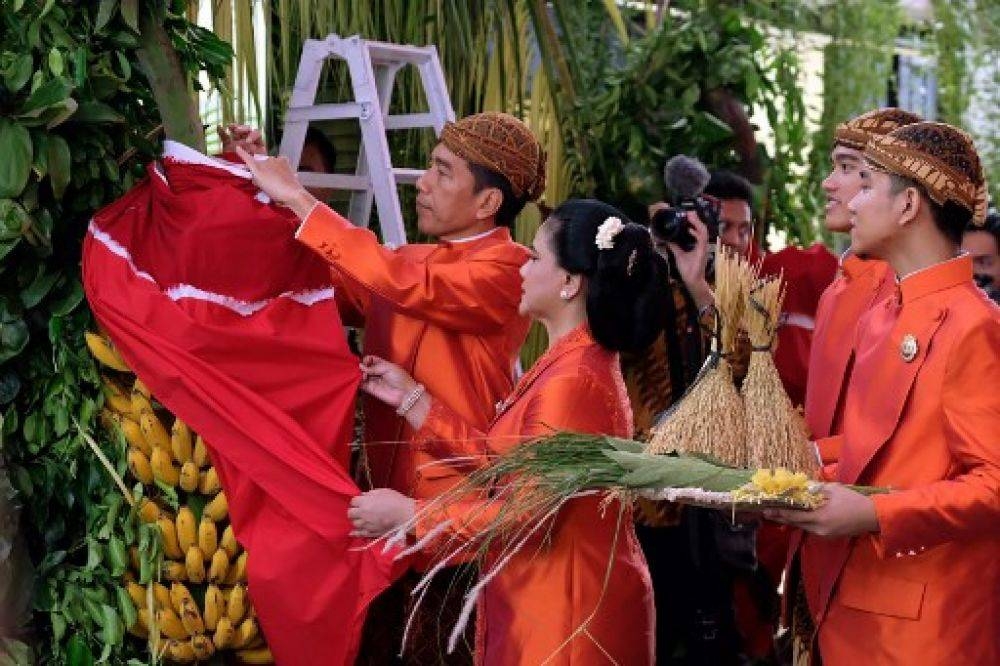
(501, 143)
(940, 158)
(856, 132)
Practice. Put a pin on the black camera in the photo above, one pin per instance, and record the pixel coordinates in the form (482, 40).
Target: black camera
(671, 223)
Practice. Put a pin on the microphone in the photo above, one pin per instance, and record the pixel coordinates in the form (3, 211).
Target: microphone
(685, 177)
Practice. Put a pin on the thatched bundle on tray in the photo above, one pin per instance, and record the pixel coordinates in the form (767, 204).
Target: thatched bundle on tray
(709, 419)
(775, 431)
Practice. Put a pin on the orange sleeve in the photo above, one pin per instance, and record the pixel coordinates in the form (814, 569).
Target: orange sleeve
(570, 403)
(477, 296)
(828, 449)
(967, 505)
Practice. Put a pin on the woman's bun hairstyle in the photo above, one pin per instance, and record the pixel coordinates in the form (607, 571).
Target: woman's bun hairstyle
(626, 282)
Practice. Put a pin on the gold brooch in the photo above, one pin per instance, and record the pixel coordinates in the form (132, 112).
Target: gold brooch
(908, 348)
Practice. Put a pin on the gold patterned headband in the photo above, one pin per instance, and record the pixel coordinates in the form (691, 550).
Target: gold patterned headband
(942, 182)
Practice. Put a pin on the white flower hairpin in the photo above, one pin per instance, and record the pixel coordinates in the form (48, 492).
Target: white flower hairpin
(606, 233)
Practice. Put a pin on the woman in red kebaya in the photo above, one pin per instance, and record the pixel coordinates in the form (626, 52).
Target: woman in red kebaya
(579, 593)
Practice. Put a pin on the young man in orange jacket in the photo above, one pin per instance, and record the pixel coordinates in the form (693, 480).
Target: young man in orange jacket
(447, 312)
(912, 575)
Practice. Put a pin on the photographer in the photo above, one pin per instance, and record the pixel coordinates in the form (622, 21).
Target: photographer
(696, 559)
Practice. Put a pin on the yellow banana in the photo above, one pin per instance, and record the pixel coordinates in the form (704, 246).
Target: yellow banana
(178, 593)
(140, 466)
(200, 453)
(215, 607)
(191, 617)
(174, 570)
(246, 633)
(141, 626)
(229, 542)
(217, 509)
(162, 596)
(116, 398)
(219, 567)
(188, 479)
(258, 656)
(236, 604)
(140, 403)
(133, 435)
(208, 537)
(153, 429)
(225, 634)
(171, 547)
(187, 534)
(105, 352)
(181, 652)
(148, 511)
(209, 482)
(109, 419)
(203, 647)
(164, 470)
(180, 441)
(195, 563)
(141, 387)
(170, 624)
(237, 570)
(137, 593)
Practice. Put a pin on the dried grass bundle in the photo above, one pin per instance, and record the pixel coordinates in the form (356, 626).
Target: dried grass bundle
(709, 418)
(776, 433)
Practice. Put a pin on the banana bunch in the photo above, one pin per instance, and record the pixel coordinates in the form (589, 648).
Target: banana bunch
(200, 605)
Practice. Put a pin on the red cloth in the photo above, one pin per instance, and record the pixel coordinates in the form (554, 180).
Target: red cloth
(807, 273)
(225, 317)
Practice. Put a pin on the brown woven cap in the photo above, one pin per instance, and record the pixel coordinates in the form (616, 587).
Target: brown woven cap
(939, 157)
(502, 143)
(856, 132)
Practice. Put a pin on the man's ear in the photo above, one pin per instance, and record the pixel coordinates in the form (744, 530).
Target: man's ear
(911, 205)
(490, 200)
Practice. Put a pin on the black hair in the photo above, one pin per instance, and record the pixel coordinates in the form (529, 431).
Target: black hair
(990, 226)
(511, 205)
(325, 148)
(626, 284)
(951, 219)
(729, 185)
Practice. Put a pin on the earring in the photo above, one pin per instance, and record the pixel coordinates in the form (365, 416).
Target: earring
(564, 294)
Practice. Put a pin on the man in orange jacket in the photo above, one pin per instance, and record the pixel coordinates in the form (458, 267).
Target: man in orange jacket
(446, 312)
(862, 281)
(912, 575)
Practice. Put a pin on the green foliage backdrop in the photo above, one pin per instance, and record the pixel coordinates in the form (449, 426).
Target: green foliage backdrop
(75, 120)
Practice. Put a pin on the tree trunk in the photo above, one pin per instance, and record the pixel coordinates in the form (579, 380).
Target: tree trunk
(171, 89)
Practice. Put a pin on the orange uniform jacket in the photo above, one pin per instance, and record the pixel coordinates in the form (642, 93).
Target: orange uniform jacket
(446, 313)
(926, 588)
(860, 285)
(579, 591)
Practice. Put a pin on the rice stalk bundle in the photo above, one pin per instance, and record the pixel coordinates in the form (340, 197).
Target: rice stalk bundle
(776, 434)
(709, 419)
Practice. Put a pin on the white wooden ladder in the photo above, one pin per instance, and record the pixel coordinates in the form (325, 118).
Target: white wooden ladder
(372, 67)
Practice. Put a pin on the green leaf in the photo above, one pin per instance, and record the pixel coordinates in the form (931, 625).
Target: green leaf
(15, 167)
(19, 72)
(130, 14)
(104, 13)
(13, 335)
(77, 652)
(48, 94)
(56, 62)
(117, 557)
(111, 631)
(125, 606)
(97, 112)
(33, 294)
(60, 165)
(69, 301)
